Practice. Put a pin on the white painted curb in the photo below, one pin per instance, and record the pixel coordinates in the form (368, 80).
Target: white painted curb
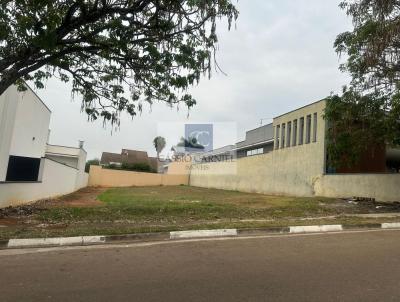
(93, 239)
(393, 225)
(202, 233)
(315, 228)
(56, 241)
(87, 240)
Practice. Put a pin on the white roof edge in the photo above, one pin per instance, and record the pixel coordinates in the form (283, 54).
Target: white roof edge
(255, 144)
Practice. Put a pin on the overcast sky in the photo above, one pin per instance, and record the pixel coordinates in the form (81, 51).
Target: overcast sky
(279, 57)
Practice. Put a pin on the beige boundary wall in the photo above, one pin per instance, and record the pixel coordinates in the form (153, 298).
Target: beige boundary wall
(259, 174)
(117, 178)
(383, 187)
(57, 180)
(284, 171)
(263, 174)
(295, 170)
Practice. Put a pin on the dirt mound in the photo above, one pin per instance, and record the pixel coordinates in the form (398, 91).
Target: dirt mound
(86, 197)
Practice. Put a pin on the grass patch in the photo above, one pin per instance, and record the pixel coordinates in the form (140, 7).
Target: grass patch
(161, 204)
(155, 209)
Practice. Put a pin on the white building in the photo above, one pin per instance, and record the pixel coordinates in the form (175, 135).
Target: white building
(30, 168)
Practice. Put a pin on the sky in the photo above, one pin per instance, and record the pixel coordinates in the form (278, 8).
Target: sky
(279, 57)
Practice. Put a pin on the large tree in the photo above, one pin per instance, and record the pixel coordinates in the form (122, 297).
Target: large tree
(117, 53)
(368, 111)
(373, 45)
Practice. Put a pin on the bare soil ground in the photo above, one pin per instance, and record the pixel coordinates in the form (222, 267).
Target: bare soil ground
(86, 197)
(13, 216)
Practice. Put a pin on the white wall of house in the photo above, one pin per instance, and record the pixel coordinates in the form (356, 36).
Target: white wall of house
(24, 124)
(31, 126)
(63, 150)
(70, 156)
(8, 109)
(67, 155)
(57, 179)
(82, 179)
(71, 161)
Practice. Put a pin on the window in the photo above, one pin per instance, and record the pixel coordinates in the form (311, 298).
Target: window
(315, 127)
(301, 131)
(255, 151)
(308, 129)
(23, 168)
(294, 133)
(283, 136)
(278, 131)
(289, 133)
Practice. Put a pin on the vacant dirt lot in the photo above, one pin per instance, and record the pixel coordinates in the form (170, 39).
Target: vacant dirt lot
(148, 209)
(86, 197)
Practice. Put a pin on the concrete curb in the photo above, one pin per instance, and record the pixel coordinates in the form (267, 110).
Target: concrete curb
(59, 241)
(202, 234)
(315, 229)
(193, 234)
(395, 225)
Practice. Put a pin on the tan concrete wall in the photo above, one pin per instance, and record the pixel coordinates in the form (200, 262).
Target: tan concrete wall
(288, 171)
(295, 170)
(383, 187)
(180, 167)
(57, 179)
(259, 174)
(117, 178)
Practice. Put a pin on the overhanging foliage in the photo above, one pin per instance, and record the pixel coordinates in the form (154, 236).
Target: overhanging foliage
(368, 112)
(118, 53)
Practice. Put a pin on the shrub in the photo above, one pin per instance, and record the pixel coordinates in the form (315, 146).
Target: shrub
(94, 162)
(139, 167)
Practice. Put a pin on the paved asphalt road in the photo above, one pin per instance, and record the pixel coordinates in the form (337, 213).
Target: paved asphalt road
(332, 267)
